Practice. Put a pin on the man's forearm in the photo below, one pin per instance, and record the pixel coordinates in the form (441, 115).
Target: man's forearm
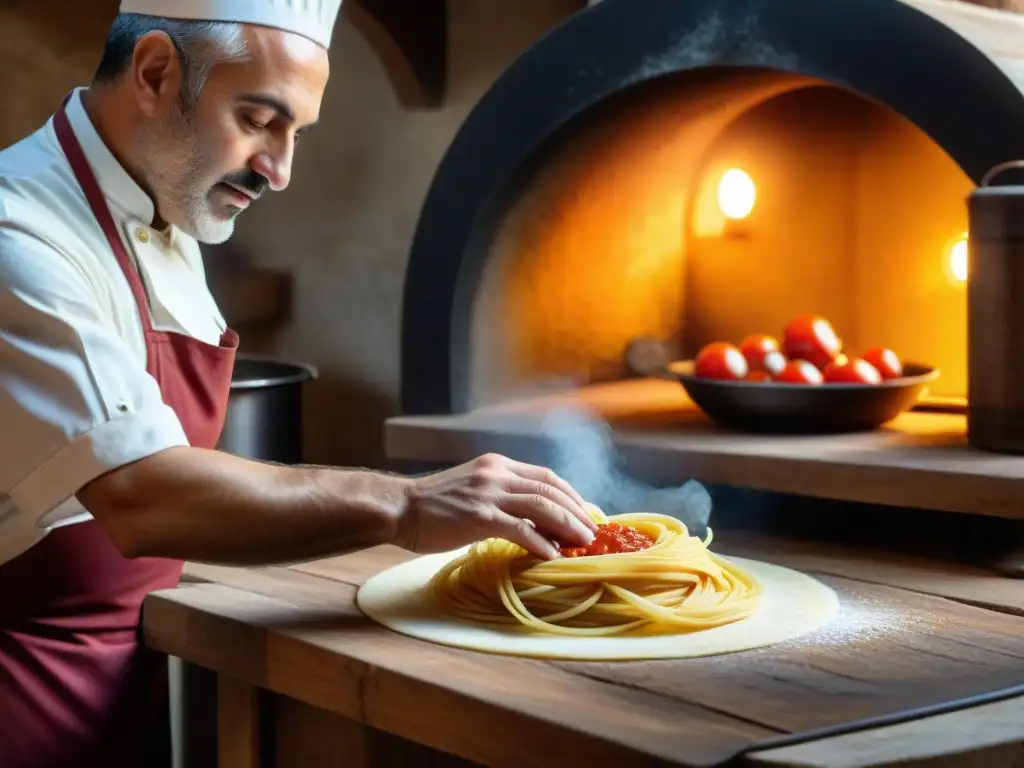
(208, 506)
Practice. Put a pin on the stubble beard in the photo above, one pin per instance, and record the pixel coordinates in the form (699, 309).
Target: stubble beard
(177, 164)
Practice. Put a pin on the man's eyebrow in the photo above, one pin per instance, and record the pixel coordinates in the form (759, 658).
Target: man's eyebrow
(271, 103)
(278, 106)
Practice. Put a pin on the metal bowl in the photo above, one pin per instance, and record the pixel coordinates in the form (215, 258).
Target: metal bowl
(770, 407)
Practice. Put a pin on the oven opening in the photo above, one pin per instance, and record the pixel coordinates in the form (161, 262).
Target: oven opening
(712, 204)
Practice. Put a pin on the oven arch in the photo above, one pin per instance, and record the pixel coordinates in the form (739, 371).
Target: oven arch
(914, 64)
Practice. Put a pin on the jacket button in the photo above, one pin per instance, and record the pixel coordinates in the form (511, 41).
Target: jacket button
(143, 236)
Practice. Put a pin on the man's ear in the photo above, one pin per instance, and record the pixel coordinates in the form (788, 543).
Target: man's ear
(156, 73)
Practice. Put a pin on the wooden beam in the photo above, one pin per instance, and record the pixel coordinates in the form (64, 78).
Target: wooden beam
(411, 38)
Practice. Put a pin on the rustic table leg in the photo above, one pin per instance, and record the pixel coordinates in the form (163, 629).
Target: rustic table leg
(193, 695)
(238, 724)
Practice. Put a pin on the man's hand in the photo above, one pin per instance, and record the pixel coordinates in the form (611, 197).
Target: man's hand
(208, 506)
(494, 497)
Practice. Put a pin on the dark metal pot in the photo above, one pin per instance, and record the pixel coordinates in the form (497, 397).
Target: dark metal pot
(264, 418)
(995, 311)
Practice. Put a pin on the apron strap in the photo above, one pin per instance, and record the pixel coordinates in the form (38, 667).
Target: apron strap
(91, 187)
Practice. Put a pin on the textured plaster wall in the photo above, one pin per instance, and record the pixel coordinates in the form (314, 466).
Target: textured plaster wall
(47, 47)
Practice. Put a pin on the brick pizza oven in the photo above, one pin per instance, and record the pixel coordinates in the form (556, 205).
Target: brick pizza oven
(585, 205)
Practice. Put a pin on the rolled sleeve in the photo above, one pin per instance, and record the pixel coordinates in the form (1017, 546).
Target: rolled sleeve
(75, 402)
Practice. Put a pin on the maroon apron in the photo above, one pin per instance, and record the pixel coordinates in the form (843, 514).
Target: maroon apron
(76, 686)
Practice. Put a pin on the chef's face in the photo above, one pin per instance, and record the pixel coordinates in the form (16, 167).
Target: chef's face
(207, 161)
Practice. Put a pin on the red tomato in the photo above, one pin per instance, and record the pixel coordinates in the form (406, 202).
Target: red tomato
(811, 338)
(721, 360)
(800, 372)
(853, 371)
(774, 363)
(759, 376)
(759, 348)
(886, 362)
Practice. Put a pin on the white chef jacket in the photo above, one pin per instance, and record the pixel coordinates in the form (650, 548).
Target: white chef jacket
(75, 398)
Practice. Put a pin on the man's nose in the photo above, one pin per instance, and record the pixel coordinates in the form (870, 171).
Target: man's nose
(277, 170)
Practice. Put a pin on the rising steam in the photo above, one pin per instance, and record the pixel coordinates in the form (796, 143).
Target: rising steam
(582, 452)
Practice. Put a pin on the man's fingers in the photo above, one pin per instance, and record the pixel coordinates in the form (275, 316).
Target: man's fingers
(550, 519)
(573, 518)
(549, 478)
(521, 532)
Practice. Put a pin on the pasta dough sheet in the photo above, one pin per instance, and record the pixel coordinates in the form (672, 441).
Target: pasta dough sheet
(793, 604)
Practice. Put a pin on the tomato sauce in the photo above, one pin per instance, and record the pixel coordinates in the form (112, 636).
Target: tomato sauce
(611, 539)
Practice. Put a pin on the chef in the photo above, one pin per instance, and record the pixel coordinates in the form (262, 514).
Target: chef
(115, 365)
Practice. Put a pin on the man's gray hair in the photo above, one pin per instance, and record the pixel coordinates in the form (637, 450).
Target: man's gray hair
(201, 46)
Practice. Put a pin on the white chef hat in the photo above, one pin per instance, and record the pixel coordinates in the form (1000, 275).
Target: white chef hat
(310, 18)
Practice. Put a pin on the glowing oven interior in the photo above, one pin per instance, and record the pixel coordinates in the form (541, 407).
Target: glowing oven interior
(714, 203)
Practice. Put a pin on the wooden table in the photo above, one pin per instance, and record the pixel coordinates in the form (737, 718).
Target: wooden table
(305, 680)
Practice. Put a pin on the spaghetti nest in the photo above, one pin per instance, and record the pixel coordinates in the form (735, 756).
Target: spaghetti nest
(676, 585)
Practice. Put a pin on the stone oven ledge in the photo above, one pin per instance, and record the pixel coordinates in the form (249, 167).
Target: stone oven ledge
(919, 460)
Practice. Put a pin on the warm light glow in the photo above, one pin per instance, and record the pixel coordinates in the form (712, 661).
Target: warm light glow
(958, 260)
(736, 194)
